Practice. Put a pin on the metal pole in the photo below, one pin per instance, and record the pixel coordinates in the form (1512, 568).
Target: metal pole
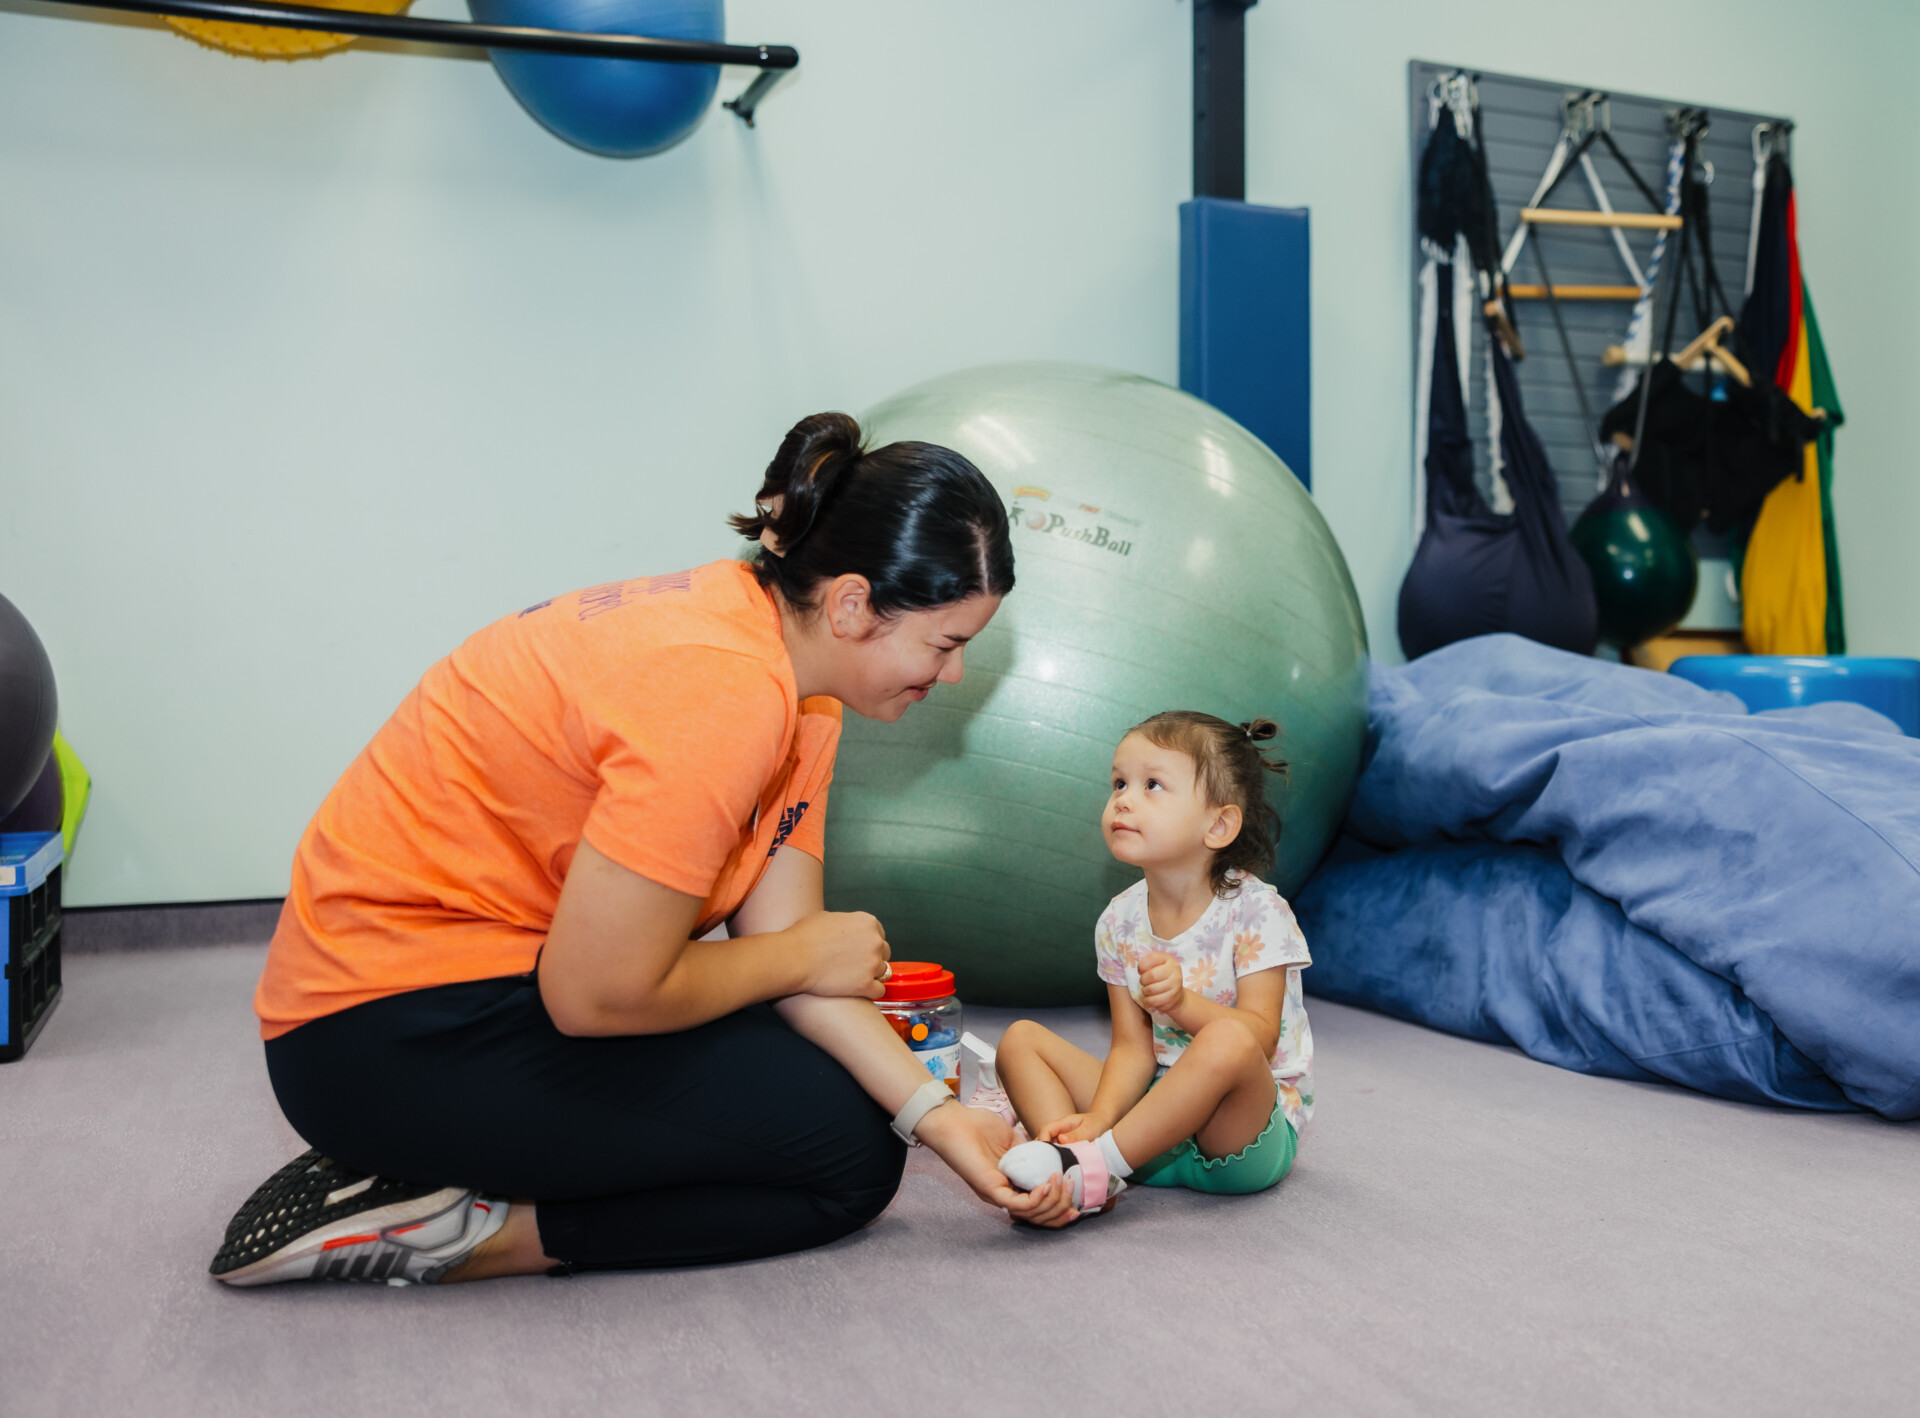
(461, 33)
(1220, 98)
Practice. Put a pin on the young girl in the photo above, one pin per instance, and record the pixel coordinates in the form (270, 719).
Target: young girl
(1207, 1082)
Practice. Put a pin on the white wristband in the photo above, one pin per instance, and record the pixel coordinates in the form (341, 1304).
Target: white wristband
(925, 1099)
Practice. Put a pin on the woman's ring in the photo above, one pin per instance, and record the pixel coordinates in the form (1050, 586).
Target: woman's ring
(886, 971)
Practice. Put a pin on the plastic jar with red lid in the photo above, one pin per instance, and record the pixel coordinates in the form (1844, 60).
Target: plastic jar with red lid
(923, 1009)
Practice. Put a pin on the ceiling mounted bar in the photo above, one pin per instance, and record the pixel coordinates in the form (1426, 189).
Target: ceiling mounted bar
(467, 35)
(1220, 98)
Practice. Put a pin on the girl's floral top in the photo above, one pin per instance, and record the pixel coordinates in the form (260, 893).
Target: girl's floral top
(1242, 934)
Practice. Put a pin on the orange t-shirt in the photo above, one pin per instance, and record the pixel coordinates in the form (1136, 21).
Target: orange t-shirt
(657, 718)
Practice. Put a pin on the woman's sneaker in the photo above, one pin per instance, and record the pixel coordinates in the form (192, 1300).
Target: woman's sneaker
(315, 1220)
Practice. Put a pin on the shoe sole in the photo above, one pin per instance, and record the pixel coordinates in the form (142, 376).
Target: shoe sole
(311, 1206)
(383, 1224)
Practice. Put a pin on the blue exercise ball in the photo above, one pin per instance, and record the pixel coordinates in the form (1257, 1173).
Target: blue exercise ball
(1888, 685)
(1166, 559)
(617, 108)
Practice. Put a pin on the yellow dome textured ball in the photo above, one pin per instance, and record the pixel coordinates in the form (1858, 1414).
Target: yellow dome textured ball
(268, 42)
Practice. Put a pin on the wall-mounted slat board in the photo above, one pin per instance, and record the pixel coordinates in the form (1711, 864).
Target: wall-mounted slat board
(1521, 119)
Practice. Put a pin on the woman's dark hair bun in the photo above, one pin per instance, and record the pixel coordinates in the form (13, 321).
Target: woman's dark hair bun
(801, 477)
(919, 521)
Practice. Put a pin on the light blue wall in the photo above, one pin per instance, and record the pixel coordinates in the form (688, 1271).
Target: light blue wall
(307, 370)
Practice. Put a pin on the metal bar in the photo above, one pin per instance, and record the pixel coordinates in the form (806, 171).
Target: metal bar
(1220, 98)
(1566, 216)
(754, 94)
(461, 33)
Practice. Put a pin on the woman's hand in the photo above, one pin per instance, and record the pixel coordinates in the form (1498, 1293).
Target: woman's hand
(1075, 1127)
(1052, 1204)
(846, 953)
(1161, 984)
(971, 1141)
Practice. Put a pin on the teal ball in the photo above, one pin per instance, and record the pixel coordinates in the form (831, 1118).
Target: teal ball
(1165, 559)
(1645, 570)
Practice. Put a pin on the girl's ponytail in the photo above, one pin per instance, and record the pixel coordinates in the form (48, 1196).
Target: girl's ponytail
(1258, 731)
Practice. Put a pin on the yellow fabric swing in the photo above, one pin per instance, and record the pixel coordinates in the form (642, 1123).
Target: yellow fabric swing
(265, 42)
(1784, 588)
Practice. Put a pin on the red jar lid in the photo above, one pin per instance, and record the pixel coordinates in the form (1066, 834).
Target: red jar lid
(918, 980)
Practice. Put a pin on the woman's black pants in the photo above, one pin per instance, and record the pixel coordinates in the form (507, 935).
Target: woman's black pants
(734, 1140)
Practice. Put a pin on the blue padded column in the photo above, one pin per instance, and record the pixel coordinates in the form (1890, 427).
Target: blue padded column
(1244, 329)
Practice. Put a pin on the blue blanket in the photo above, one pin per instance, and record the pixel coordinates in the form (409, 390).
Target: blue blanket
(1624, 873)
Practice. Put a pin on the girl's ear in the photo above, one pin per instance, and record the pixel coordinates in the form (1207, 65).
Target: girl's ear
(1225, 828)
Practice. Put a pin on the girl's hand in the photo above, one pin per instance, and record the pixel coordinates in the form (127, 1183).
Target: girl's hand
(1075, 1127)
(846, 952)
(1161, 984)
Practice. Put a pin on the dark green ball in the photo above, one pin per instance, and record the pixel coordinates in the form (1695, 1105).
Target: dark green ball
(1645, 570)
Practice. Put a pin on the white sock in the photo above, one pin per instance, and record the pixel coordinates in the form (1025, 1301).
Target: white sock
(1110, 1153)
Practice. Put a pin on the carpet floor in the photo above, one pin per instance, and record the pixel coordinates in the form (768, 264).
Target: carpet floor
(1466, 1232)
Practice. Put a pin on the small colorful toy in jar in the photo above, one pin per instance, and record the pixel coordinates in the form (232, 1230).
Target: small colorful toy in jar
(922, 1008)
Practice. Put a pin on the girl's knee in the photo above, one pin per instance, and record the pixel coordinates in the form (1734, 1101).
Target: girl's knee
(1023, 1039)
(1229, 1043)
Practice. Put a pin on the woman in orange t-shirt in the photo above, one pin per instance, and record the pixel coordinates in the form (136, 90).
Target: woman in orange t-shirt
(500, 1003)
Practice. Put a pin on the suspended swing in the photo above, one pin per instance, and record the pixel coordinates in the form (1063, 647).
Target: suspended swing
(1790, 578)
(1586, 118)
(272, 42)
(1643, 569)
(1479, 568)
(1710, 454)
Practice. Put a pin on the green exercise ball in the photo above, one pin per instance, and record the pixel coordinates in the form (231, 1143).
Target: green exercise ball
(1165, 560)
(1645, 570)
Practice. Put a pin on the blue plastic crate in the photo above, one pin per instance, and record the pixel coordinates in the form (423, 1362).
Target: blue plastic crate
(1891, 686)
(30, 870)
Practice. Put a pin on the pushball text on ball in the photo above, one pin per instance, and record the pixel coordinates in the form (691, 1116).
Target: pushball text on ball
(1167, 559)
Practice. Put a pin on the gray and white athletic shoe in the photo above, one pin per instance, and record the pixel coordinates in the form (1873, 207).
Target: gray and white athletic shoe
(315, 1220)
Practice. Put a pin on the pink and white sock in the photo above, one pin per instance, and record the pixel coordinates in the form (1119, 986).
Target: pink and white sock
(1092, 1184)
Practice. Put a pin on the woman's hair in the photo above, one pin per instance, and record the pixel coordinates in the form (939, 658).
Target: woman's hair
(1231, 770)
(917, 520)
